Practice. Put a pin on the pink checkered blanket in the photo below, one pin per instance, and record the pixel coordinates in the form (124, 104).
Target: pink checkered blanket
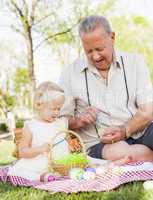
(139, 171)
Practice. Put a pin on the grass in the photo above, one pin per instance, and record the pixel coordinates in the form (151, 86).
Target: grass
(6, 149)
(131, 191)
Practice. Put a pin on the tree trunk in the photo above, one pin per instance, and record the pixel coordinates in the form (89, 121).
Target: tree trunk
(30, 62)
(30, 57)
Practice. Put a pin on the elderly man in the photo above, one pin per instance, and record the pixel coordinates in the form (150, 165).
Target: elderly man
(111, 102)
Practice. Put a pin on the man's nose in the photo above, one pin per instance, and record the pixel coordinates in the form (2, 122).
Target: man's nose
(95, 55)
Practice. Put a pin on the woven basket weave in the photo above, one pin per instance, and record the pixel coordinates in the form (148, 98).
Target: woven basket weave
(75, 146)
(17, 138)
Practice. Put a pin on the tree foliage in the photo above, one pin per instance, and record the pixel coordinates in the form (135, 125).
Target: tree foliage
(7, 102)
(134, 34)
(21, 79)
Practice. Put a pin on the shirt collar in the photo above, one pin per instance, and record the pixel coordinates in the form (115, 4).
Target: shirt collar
(84, 64)
(116, 59)
(116, 62)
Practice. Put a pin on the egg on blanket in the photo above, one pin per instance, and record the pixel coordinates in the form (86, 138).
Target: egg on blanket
(147, 165)
(101, 170)
(90, 169)
(117, 170)
(89, 175)
(148, 185)
(76, 173)
(47, 177)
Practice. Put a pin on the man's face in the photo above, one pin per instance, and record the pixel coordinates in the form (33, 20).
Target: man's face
(98, 46)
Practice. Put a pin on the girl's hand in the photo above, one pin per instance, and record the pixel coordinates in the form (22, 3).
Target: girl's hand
(45, 148)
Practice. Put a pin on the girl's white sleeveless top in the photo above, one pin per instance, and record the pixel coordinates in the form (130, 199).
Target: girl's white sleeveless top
(32, 168)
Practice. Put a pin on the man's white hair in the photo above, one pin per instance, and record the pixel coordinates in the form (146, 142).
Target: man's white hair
(90, 23)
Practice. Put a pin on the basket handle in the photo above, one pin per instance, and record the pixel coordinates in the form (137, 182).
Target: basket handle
(67, 132)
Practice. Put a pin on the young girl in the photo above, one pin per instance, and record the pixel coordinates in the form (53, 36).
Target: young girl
(38, 133)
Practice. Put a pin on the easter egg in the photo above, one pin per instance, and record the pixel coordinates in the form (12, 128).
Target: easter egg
(101, 170)
(147, 165)
(76, 173)
(47, 177)
(117, 170)
(148, 185)
(89, 175)
(90, 169)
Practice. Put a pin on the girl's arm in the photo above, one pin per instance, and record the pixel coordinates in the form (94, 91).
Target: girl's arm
(25, 149)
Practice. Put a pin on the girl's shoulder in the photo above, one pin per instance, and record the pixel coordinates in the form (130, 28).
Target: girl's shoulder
(30, 123)
(34, 124)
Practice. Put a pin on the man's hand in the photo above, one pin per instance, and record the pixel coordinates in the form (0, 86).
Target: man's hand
(83, 119)
(87, 117)
(113, 134)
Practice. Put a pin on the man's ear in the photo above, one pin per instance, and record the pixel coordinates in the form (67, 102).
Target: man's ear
(113, 36)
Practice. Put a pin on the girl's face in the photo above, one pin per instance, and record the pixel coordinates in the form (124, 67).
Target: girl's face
(50, 110)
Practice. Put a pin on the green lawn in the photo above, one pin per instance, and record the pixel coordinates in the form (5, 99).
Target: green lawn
(6, 149)
(131, 191)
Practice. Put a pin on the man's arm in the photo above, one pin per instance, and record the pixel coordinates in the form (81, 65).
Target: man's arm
(142, 118)
(144, 99)
(68, 109)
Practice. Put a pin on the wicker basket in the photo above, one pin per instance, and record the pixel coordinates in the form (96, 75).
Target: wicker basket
(17, 138)
(75, 145)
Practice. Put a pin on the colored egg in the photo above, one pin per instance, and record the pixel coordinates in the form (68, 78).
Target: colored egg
(76, 173)
(88, 175)
(90, 169)
(117, 170)
(101, 170)
(148, 185)
(50, 178)
(47, 177)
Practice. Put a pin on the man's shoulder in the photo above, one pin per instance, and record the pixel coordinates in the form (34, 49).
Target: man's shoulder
(128, 56)
(134, 64)
(77, 65)
(131, 60)
(119, 53)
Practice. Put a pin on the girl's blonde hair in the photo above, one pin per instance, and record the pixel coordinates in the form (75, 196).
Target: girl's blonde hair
(45, 92)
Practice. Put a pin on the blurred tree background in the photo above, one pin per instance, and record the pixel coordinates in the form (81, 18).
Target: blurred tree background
(51, 26)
